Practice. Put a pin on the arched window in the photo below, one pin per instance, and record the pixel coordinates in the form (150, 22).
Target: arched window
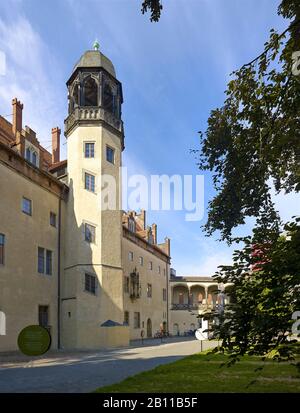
(108, 99)
(28, 155)
(75, 96)
(90, 92)
(34, 159)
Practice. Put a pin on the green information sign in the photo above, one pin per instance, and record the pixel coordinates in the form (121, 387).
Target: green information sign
(34, 340)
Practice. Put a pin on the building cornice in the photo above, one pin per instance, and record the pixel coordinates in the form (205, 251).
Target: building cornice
(13, 160)
(141, 242)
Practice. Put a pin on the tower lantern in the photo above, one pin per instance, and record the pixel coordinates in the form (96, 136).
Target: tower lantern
(95, 94)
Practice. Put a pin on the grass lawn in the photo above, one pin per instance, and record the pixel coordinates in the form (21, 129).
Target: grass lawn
(203, 373)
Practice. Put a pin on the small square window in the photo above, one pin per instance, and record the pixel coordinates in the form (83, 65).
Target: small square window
(150, 265)
(26, 206)
(52, 219)
(89, 150)
(110, 154)
(90, 233)
(89, 182)
(141, 261)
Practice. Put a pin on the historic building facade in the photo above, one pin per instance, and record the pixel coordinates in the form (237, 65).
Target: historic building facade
(191, 298)
(94, 276)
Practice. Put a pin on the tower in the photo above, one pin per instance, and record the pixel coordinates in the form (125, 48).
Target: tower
(93, 278)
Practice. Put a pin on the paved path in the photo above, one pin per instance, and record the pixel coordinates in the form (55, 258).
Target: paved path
(82, 372)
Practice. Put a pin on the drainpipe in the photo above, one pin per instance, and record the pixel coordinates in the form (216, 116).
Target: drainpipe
(58, 274)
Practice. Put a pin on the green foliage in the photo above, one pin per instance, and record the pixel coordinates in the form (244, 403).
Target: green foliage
(264, 292)
(155, 8)
(255, 136)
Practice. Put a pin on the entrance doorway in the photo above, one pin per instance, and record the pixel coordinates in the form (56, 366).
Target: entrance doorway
(149, 328)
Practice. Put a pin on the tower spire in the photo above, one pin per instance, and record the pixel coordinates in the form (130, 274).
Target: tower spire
(96, 45)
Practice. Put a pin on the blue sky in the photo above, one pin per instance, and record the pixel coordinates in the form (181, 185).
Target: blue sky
(173, 73)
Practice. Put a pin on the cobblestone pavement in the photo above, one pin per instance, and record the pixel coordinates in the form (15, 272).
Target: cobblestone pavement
(84, 371)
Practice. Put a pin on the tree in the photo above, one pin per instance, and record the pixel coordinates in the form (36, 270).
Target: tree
(255, 136)
(155, 8)
(265, 293)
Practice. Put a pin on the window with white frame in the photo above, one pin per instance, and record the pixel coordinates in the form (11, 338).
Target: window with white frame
(89, 150)
(130, 256)
(89, 182)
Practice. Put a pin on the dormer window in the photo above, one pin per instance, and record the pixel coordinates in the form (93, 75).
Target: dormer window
(34, 159)
(28, 155)
(31, 155)
(131, 224)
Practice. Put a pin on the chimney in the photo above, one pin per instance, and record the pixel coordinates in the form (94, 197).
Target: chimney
(55, 144)
(154, 233)
(17, 116)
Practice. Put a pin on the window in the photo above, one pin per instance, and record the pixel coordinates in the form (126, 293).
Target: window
(43, 315)
(90, 283)
(164, 272)
(90, 233)
(126, 318)
(52, 219)
(126, 284)
(89, 150)
(90, 92)
(49, 262)
(150, 265)
(164, 294)
(141, 261)
(159, 271)
(41, 260)
(44, 268)
(2, 243)
(26, 206)
(149, 290)
(131, 224)
(110, 154)
(130, 256)
(137, 320)
(34, 159)
(28, 155)
(108, 99)
(89, 182)
(75, 96)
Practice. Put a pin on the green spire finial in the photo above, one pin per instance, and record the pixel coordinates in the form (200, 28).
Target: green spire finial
(96, 45)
